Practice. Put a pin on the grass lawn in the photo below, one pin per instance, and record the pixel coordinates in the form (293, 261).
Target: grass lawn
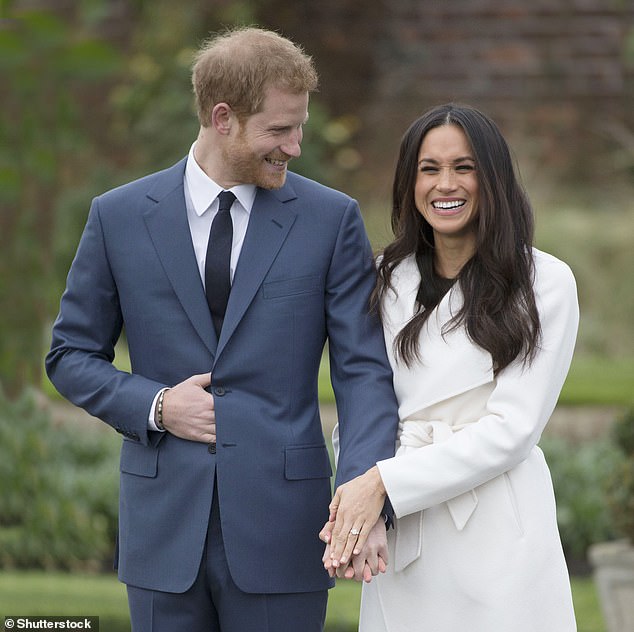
(592, 381)
(39, 593)
(343, 606)
(597, 381)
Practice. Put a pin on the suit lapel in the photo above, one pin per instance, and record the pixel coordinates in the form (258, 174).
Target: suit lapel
(166, 221)
(269, 225)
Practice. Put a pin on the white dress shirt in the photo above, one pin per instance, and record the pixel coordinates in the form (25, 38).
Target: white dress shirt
(201, 200)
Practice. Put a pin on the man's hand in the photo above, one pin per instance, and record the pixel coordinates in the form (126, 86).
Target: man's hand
(188, 410)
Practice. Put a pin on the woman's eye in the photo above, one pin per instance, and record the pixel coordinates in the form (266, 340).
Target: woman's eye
(429, 170)
(465, 168)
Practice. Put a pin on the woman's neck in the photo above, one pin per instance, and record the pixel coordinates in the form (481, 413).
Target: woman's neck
(451, 254)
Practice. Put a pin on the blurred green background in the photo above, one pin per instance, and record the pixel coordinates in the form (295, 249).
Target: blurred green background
(95, 93)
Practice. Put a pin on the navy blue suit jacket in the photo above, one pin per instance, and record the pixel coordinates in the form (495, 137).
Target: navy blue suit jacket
(304, 276)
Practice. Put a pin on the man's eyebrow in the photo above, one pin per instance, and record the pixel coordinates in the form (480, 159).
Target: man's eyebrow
(283, 126)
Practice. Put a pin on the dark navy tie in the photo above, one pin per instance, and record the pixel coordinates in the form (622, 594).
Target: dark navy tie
(217, 271)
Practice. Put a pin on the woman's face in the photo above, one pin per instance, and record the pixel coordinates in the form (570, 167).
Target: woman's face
(446, 189)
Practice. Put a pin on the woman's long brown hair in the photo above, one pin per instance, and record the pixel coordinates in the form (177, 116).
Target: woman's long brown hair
(499, 311)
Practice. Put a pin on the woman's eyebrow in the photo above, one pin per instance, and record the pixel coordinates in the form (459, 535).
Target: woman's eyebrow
(454, 161)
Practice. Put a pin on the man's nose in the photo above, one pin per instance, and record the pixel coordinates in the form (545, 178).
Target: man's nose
(292, 146)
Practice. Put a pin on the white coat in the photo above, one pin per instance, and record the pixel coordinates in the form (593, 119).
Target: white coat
(476, 545)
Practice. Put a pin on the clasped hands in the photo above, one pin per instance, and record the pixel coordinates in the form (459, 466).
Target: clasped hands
(355, 537)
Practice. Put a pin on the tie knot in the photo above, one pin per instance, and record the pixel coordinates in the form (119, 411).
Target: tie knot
(226, 199)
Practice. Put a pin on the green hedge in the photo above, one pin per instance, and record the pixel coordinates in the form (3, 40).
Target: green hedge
(580, 473)
(60, 487)
(58, 493)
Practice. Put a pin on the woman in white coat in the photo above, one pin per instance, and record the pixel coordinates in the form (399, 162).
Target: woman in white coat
(480, 328)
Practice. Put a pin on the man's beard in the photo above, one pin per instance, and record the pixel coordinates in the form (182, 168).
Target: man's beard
(247, 168)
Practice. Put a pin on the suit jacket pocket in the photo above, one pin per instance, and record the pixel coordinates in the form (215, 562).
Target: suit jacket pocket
(138, 459)
(306, 461)
(292, 287)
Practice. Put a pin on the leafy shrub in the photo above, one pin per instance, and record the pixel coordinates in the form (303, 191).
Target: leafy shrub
(58, 493)
(580, 474)
(621, 484)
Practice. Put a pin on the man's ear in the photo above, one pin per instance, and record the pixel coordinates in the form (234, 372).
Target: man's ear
(222, 118)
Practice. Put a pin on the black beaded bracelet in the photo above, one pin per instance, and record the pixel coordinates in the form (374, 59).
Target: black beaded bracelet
(159, 410)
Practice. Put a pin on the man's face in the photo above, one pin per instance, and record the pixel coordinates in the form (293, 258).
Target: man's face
(259, 150)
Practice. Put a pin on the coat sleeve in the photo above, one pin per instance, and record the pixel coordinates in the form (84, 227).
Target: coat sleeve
(87, 328)
(360, 372)
(516, 412)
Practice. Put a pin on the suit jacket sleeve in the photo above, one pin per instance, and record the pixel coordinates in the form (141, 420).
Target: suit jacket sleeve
(84, 336)
(360, 372)
(516, 412)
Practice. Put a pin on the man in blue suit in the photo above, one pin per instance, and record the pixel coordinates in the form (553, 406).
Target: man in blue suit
(225, 475)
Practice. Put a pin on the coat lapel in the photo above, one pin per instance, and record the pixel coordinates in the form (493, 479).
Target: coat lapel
(166, 221)
(450, 363)
(269, 225)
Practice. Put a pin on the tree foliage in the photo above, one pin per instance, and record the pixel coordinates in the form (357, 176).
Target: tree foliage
(51, 72)
(94, 94)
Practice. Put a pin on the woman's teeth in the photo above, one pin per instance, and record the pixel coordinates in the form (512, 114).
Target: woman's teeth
(448, 205)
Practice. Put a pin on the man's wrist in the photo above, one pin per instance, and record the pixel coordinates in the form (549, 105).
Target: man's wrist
(158, 413)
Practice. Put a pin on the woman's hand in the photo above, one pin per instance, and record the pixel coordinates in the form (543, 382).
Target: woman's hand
(354, 510)
(371, 561)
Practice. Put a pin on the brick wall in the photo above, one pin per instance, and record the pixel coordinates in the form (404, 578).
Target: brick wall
(553, 73)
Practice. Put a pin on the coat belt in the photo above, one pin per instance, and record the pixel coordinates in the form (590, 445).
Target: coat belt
(416, 434)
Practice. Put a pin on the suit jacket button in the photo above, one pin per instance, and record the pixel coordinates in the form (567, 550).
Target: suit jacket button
(219, 390)
(211, 448)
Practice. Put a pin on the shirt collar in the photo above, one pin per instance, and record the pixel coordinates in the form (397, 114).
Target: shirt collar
(203, 190)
